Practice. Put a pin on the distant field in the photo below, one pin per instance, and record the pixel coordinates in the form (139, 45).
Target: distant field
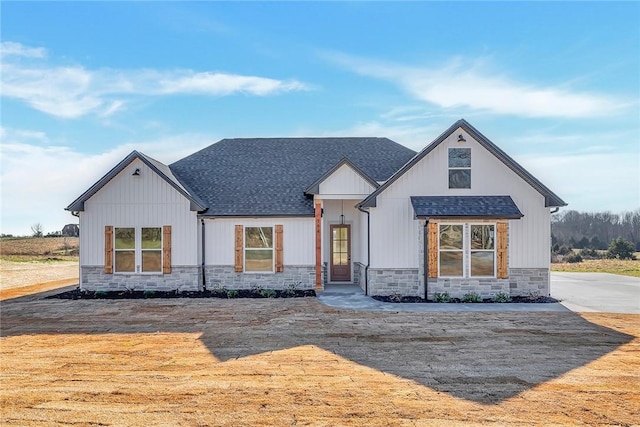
(614, 266)
(39, 248)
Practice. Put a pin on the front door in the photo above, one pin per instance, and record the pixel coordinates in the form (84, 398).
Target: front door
(340, 253)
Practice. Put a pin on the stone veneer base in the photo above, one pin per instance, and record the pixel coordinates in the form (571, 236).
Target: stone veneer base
(402, 281)
(529, 281)
(182, 278)
(224, 276)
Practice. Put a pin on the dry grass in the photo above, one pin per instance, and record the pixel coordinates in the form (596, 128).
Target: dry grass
(614, 266)
(38, 248)
(296, 362)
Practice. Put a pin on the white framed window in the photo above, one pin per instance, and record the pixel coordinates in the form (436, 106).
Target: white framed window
(459, 167)
(466, 250)
(258, 249)
(137, 249)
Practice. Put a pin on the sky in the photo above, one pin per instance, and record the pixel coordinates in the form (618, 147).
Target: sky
(554, 84)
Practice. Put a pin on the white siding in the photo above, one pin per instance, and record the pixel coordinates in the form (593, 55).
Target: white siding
(138, 201)
(345, 181)
(298, 239)
(394, 241)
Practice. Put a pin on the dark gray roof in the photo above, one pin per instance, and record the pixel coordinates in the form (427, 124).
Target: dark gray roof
(160, 168)
(269, 176)
(550, 198)
(499, 207)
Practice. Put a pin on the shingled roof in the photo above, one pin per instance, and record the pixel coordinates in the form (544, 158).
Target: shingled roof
(268, 176)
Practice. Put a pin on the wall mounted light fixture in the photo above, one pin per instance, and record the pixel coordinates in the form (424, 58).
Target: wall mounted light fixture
(136, 173)
(461, 138)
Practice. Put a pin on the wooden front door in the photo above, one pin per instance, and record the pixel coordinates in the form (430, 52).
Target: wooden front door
(340, 253)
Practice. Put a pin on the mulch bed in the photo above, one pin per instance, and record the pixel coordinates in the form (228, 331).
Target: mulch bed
(525, 299)
(219, 293)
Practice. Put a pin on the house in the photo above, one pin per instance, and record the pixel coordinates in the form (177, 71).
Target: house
(459, 216)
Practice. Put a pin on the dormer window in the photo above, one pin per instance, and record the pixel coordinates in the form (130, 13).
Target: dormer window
(459, 167)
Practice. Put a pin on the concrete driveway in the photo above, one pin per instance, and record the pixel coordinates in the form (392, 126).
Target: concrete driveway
(597, 292)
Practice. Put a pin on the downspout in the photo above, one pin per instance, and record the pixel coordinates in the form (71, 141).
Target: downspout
(555, 210)
(425, 258)
(203, 245)
(366, 268)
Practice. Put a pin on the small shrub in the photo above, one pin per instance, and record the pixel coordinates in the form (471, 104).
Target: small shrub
(290, 290)
(471, 297)
(149, 293)
(256, 288)
(564, 250)
(589, 253)
(442, 297)
(396, 297)
(268, 293)
(573, 258)
(232, 293)
(100, 294)
(502, 297)
(621, 249)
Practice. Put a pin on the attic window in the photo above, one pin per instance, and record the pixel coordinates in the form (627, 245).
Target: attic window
(459, 167)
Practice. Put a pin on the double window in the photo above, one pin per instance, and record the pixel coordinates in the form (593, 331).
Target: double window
(466, 250)
(138, 249)
(258, 249)
(459, 167)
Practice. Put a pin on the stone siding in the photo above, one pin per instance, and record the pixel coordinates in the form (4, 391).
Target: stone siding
(457, 288)
(359, 271)
(224, 276)
(403, 281)
(182, 278)
(529, 281)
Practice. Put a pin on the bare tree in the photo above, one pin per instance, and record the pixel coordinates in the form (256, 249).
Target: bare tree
(36, 230)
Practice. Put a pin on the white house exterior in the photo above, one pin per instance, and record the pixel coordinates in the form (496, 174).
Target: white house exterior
(460, 216)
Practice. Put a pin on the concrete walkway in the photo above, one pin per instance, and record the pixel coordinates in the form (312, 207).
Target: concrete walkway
(597, 292)
(352, 297)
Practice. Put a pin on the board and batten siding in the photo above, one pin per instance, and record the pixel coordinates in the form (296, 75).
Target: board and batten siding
(146, 200)
(345, 182)
(394, 242)
(298, 239)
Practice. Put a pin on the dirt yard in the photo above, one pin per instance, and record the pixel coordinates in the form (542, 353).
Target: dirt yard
(296, 362)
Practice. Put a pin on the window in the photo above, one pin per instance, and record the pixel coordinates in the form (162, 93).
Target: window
(466, 250)
(258, 249)
(459, 167)
(138, 249)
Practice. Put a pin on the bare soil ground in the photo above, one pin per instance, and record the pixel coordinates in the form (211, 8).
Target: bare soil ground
(614, 266)
(45, 246)
(297, 362)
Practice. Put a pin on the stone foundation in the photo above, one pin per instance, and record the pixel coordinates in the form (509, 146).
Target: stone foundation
(403, 281)
(359, 274)
(224, 276)
(457, 288)
(529, 281)
(182, 278)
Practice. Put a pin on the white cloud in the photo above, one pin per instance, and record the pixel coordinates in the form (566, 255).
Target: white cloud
(74, 91)
(38, 181)
(464, 84)
(17, 49)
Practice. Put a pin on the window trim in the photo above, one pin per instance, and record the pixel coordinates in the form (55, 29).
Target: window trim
(138, 251)
(456, 168)
(467, 250)
(272, 249)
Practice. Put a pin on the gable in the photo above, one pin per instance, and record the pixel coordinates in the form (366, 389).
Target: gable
(136, 179)
(344, 179)
(490, 163)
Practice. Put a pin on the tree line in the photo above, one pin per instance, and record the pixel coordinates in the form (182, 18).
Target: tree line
(595, 230)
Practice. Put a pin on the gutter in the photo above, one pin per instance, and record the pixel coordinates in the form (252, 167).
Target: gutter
(203, 245)
(366, 269)
(426, 257)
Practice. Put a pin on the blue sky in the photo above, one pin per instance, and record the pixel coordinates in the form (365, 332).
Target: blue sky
(555, 85)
